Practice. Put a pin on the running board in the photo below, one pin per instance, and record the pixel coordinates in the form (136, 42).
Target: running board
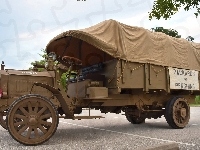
(87, 117)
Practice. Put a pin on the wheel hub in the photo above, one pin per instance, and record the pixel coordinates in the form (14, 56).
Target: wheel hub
(183, 112)
(33, 120)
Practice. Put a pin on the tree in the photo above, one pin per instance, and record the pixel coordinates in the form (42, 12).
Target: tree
(190, 38)
(170, 32)
(40, 62)
(166, 8)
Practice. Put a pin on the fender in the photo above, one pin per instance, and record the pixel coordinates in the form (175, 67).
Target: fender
(59, 96)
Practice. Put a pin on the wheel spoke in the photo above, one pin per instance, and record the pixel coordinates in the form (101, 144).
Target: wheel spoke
(42, 110)
(23, 111)
(19, 116)
(178, 107)
(19, 123)
(176, 116)
(45, 116)
(182, 120)
(36, 107)
(179, 120)
(183, 106)
(36, 132)
(42, 129)
(19, 127)
(23, 129)
(29, 132)
(29, 107)
(45, 123)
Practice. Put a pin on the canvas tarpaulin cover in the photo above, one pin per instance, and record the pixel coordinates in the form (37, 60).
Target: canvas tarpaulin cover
(134, 44)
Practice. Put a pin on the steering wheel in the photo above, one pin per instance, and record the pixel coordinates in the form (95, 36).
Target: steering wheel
(71, 60)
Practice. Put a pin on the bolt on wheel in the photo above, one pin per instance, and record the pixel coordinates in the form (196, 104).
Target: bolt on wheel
(32, 119)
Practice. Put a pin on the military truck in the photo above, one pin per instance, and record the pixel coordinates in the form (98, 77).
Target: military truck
(116, 68)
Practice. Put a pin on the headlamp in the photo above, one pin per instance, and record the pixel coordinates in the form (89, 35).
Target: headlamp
(52, 55)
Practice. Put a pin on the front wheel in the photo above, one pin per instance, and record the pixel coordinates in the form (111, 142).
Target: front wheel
(177, 112)
(32, 119)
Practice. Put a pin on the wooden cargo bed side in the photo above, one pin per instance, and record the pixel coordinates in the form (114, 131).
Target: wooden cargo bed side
(158, 78)
(110, 73)
(121, 75)
(131, 75)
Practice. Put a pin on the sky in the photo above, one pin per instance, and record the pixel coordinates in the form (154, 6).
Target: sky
(26, 26)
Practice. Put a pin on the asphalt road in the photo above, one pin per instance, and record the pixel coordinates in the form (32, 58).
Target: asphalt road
(114, 132)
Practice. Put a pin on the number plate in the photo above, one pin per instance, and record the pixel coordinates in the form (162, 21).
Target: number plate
(183, 79)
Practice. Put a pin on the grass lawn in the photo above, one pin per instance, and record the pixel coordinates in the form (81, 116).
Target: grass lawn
(194, 105)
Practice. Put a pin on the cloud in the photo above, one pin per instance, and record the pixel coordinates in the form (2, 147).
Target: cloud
(27, 26)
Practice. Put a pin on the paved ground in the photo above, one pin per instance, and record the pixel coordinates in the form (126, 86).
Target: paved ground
(115, 132)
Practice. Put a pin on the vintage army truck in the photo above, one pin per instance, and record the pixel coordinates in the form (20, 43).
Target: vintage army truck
(115, 68)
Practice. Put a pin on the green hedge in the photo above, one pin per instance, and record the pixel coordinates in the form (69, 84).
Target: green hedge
(197, 99)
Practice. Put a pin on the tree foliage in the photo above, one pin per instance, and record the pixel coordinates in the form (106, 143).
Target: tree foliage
(170, 32)
(40, 62)
(197, 99)
(166, 8)
(190, 38)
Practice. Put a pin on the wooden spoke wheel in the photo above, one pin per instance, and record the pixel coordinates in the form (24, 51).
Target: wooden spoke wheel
(135, 120)
(3, 119)
(177, 112)
(32, 119)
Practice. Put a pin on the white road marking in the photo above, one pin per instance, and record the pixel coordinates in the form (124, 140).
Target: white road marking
(136, 135)
(116, 117)
(194, 124)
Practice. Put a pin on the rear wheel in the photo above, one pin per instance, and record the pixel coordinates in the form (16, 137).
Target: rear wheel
(32, 119)
(177, 112)
(135, 120)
